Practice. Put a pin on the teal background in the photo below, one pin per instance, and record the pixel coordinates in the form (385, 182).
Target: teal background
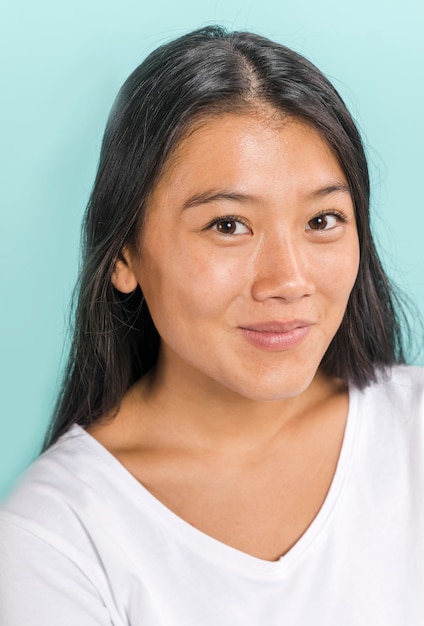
(62, 63)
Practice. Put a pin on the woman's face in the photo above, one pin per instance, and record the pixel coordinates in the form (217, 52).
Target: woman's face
(248, 256)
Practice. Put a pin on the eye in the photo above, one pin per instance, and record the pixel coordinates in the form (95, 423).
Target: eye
(325, 221)
(229, 225)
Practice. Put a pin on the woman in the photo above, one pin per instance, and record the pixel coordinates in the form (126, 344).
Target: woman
(237, 440)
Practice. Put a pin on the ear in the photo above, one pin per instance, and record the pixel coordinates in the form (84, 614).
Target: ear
(123, 277)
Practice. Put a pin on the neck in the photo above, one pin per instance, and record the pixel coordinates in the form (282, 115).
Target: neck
(201, 413)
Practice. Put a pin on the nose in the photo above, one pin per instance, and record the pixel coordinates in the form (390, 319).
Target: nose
(282, 269)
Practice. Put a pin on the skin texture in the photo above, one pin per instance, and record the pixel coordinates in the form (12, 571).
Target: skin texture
(247, 259)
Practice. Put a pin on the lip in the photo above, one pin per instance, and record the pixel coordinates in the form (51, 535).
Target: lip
(277, 336)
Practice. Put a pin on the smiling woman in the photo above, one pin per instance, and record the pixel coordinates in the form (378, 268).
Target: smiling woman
(236, 430)
(249, 246)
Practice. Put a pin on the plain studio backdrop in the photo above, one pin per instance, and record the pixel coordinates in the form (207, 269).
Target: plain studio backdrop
(62, 65)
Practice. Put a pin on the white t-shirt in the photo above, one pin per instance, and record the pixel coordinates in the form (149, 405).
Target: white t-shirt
(84, 544)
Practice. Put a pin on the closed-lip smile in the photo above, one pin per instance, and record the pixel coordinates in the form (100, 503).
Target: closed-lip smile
(276, 335)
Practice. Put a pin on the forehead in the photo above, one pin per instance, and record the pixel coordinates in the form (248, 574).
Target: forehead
(249, 150)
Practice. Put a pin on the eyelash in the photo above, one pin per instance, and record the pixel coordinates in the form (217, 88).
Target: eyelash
(339, 216)
(240, 220)
(227, 218)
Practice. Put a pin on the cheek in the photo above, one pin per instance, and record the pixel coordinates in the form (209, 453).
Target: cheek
(336, 272)
(190, 284)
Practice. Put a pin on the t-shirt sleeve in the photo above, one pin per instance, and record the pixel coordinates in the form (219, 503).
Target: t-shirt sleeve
(42, 586)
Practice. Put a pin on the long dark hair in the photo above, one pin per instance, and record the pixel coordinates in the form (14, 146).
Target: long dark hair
(208, 71)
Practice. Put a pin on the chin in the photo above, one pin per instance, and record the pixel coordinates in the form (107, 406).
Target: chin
(262, 390)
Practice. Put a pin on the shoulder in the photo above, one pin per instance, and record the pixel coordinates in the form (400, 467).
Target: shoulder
(51, 569)
(399, 390)
(68, 483)
(389, 414)
(407, 376)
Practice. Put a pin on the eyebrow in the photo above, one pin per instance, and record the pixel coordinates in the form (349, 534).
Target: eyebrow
(326, 191)
(213, 196)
